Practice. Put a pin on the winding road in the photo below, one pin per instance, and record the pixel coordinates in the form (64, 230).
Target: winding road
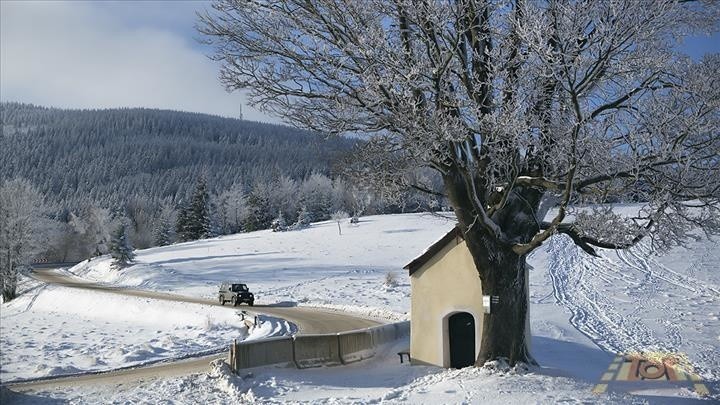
(308, 320)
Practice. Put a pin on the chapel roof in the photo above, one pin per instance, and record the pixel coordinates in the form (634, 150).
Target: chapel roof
(433, 249)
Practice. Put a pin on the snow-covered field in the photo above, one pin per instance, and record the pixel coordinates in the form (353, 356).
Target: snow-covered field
(379, 380)
(315, 266)
(53, 330)
(583, 311)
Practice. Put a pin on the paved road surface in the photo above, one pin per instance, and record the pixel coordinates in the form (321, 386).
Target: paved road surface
(308, 321)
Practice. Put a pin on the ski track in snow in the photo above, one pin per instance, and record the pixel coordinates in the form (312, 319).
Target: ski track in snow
(636, 303)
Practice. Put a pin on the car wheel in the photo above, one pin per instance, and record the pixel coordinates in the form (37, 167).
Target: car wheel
(222, 301)
(234, 301)
(251, 303)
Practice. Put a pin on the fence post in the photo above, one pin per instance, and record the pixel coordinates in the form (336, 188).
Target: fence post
(234, 357)
(340, 348)
(230, 357)
(294, 352)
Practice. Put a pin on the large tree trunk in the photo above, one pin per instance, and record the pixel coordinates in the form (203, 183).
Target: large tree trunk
(502, 272)
(504, 328)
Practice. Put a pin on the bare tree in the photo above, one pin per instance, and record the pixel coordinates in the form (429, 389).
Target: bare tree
(339, 216)
(284, 196)
(519, 105)
(22, 226)
(232, 209)
(140, 213)
(92, 227)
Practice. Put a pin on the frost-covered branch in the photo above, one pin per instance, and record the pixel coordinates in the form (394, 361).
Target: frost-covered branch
(508, 102)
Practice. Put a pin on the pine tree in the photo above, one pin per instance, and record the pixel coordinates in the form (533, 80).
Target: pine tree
(194, 220)
(258, 211)
(200, 212)
(120, 248)
(181, 225)
(163, 232)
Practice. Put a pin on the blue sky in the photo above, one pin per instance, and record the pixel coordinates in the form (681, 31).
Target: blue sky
(698, 46)
(99, 54)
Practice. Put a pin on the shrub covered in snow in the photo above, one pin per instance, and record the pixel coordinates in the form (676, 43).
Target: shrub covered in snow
(278, 224)
(303, 221)
(390, 279)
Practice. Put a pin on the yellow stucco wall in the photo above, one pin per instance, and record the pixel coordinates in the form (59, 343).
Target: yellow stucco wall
(446, 284)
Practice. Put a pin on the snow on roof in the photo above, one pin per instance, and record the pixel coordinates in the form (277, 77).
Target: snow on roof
(433, 249)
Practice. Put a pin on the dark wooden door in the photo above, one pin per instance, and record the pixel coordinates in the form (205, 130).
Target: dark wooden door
(461, 327)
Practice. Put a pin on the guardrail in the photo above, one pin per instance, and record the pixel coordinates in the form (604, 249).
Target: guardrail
(278, 350)
(355, 346)
(52, 265)
(304, 351)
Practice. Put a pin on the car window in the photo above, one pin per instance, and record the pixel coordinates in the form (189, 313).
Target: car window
(239, 287)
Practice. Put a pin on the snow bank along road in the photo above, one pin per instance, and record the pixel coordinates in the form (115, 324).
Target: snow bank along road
(308, 321)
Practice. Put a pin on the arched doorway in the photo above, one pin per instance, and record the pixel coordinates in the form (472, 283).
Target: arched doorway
(461, 331)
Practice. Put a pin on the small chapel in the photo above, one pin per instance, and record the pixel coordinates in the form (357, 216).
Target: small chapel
(447, 306)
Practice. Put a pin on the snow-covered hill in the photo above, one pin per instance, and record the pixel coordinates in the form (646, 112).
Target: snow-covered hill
(583, 311)
(315, 266)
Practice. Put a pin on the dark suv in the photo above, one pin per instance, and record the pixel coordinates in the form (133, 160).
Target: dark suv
(236, 294)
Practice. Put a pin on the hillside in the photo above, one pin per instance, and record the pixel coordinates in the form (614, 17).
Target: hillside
(110, 155)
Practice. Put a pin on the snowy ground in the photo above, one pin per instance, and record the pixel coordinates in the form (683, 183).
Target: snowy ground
(52, 330)
(380, 380)
(583, 311)
(315, 266)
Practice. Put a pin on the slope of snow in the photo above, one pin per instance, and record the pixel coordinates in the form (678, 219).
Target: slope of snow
(314, 266)
(53, 330)
(632, 301)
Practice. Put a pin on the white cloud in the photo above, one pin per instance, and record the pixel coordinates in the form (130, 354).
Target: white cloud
(81, 55)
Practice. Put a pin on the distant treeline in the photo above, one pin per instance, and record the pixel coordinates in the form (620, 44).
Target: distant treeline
(98, 168)
(109, 155)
